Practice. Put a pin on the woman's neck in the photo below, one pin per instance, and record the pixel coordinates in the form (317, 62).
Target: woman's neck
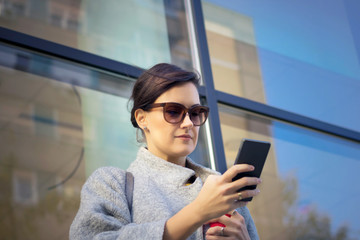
(179, 161)
(173, 159)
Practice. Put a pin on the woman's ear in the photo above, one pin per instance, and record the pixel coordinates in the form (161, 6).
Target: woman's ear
(140, 117)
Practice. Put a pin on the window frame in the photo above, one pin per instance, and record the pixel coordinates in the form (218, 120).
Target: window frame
(213, 97)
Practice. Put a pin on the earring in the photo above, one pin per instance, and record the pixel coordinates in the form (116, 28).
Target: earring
(145, 128)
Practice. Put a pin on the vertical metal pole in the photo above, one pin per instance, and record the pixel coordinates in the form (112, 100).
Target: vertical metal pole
(197, 66)
(202, 62)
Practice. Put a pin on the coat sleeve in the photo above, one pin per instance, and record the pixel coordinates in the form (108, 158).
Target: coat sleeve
(104, 211)
(250, 225)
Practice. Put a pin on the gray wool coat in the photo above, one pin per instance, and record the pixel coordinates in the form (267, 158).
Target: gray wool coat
(160, 191)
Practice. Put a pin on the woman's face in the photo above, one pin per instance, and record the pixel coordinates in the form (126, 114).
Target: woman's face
(172, 142)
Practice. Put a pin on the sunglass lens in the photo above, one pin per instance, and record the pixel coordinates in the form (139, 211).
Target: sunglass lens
(198, 115)
(173, 113)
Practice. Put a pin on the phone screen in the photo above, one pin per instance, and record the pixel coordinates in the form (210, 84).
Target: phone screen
(252, 152)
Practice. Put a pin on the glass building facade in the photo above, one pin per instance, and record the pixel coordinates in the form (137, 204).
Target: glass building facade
(278, 71)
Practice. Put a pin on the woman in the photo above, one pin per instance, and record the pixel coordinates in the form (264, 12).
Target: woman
(173, 197)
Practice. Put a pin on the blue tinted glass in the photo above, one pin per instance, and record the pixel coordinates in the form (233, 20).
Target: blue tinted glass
(140, 33)
(297, 56)
(309, 188)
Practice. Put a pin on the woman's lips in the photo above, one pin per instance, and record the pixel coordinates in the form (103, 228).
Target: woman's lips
(184, 136)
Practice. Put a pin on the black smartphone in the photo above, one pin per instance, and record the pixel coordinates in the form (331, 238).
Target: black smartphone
(252, 152)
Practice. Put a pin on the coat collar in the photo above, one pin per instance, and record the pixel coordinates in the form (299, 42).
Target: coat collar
(166, 171)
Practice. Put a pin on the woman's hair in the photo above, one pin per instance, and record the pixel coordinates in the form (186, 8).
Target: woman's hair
(155, 81)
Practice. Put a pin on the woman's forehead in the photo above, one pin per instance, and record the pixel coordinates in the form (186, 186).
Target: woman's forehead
(186, 94)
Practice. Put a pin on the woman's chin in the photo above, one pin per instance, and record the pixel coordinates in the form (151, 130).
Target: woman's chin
(184, 151)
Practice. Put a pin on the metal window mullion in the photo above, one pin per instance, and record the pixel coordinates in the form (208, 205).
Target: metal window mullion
(209, 90)
(197, 65)
(283, 115)
(67, 53)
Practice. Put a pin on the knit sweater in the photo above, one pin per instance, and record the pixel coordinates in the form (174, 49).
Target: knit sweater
(160, 191)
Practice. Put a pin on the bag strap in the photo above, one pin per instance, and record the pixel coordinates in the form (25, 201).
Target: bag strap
(129, 189)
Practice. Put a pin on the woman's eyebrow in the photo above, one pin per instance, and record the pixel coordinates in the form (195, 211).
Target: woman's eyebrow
(197, 104)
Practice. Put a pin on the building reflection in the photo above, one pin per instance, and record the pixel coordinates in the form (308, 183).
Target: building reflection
(41, 144)
(53, 133)
(160, 30)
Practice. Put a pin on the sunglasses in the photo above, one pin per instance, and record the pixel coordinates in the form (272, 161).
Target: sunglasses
(176, 112)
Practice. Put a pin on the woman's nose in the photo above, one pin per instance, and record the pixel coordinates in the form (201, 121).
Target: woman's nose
(187, 121)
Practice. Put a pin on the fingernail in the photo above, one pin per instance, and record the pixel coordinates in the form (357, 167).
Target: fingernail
(259, 180)
(257, 191)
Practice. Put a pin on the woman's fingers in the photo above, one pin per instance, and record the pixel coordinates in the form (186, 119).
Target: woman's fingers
(219, 192)
(245, 181)
(216, 232)
(234, 186)
(244, 194)
(241, 182)
(235, 228)
(234, 170)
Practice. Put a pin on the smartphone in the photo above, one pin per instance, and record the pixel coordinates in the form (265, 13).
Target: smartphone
(252, 152)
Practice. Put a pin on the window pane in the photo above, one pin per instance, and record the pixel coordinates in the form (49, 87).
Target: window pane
(58, 123)
(140, 33)
(53, 135)
(308, 179)
(290, 55)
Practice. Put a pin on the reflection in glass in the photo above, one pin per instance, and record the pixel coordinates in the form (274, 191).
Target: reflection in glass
(140, 33)
(307, 190)
(53, 134)
(285, 55)
(41, 155)
(58, 123)
(233, 53)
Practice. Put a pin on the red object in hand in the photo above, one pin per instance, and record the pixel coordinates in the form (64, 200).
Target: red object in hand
(216, 224)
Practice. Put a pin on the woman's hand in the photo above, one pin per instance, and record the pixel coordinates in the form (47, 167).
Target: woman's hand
(219, 193)
(235, 228)
(217, 197)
